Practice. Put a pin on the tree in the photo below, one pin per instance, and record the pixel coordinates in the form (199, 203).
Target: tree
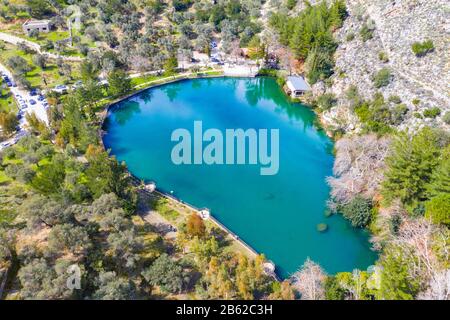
(124, 247)
(282, 291)
(410, 166)
(88, 71)
(104, 204)
(49, 178)
(69, 237)
(171, 65)
(358, 211)
(8, 122)
(438, 288)
(40, 280)
(37, 125)
(396, 281)
(309, 281)
(113, 287)
(167, 274)
(256, 49)
(40, 60)
(438, 209)
(39, 210)
(333, 290)
(440, 179)
(105, 174)
(119, 83)
(195, 226)
(18, 64)
(358, 167)
(38, 8)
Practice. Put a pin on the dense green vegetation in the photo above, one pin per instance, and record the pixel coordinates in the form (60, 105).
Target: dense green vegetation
(310, 36)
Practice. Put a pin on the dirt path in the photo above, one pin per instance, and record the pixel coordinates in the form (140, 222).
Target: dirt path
(162, 225)
(15, 40)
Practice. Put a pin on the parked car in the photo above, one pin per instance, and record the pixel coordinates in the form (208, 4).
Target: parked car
(77, 84)
(60, 88)
(40, 97)
(103, 82)
(32, 102)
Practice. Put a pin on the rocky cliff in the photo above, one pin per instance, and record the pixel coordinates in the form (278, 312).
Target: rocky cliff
(420, 82)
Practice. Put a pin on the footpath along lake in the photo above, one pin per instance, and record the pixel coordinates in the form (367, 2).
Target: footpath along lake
(275, 214)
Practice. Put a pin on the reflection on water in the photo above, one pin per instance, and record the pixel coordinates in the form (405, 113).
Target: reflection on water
(277, 215)
(123, 111)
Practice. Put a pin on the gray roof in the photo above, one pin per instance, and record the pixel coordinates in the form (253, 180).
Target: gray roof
(298, 83)
(36, 22)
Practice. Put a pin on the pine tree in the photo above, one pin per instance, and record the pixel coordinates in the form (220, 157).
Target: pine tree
(440, 181)
(396, 281)
(410, 166)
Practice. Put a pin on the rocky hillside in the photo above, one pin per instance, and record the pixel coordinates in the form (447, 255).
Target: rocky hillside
(420, 82)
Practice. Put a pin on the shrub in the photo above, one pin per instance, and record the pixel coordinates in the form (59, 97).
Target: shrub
(366, 32)
(420, 49)
(398, 114)
(446, 117)
(350, 37)
(432, 112)
(382, 78)
(333, 289)
(326, 101)
(438, 209)
(290, 4)
(383, 56)
(358, 211)
(415, 101)
(395, 99)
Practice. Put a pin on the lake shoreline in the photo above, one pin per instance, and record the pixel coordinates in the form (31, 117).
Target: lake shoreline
(181, 79)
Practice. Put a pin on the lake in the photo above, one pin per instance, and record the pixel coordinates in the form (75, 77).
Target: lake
(275, 214)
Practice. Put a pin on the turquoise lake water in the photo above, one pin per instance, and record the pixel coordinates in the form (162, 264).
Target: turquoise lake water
(277, 215)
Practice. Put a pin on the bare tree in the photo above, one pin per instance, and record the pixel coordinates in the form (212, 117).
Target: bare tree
(416, 236)
(438, 288)
(309, 281)
(358, 168)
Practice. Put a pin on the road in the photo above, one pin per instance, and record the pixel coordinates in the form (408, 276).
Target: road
(23, 98)
(15, 40)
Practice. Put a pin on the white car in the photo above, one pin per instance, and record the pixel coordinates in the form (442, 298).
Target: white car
(60, 89)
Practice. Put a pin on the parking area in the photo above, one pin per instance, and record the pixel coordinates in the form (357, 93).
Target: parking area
(27, 101)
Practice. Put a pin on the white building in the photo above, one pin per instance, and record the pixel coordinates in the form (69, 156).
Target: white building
(297, 86)
(39, 25)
